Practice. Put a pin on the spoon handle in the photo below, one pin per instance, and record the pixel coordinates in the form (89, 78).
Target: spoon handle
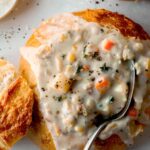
(96, 133)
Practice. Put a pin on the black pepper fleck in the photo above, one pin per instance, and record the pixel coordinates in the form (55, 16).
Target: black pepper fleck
(117, 71)
(43, 89)
(105, 68)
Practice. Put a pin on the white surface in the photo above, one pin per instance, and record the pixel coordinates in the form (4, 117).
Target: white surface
(29, 13)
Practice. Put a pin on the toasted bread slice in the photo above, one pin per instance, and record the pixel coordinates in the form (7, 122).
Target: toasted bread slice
(16, 102)
(39, 131)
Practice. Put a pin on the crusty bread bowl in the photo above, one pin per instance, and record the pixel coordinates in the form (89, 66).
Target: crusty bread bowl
(39, 131)
(16, 102)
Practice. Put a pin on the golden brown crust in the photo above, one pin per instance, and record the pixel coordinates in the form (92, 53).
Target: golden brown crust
(114, 20)
(39, 131)
(15, 112)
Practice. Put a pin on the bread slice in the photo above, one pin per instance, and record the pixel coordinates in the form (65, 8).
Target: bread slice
(39, 132)
(16, 102)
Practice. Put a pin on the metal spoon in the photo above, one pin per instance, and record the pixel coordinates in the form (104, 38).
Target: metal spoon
(119, 115)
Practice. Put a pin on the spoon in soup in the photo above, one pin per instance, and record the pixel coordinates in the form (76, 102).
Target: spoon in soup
(119, 115)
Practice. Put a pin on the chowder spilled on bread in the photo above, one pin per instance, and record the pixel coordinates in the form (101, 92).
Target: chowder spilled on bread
(82, 78)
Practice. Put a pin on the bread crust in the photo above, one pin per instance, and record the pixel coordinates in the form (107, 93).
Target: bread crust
(16, 104)
(39, 131)
(116, 21)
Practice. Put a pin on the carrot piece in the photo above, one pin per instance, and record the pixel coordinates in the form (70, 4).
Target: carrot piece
(132, 112)
(104, 83)
(108, 45)
(86, 67)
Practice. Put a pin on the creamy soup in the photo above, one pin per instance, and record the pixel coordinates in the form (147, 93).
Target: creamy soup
(82, 78)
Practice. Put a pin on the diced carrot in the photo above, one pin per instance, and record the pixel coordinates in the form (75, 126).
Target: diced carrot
(86, 67)
(132, 112)
(102, 84)
(108, 45)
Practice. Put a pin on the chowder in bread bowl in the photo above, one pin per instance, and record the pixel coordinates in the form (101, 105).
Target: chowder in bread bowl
(75, 62)
(16, 101)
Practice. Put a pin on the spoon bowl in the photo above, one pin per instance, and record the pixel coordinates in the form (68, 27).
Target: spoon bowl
(119, 115)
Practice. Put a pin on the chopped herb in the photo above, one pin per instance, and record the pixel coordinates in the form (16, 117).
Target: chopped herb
(70, 33)
(79, 69)
(93, 79)
(63, 56)
(90, 72)
(79, 100)
(139, 115)
(94, 55)
(59, 98)
(102, 30)
(43, 89)
(105, 68)
(84, 50)
(97, 56)
(111, 100)
(100, 105)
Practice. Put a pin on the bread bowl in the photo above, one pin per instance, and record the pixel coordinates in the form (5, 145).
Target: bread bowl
(75, 64)
(16, 102)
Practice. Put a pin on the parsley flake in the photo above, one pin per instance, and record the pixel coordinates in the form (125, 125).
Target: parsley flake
(105, 68)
